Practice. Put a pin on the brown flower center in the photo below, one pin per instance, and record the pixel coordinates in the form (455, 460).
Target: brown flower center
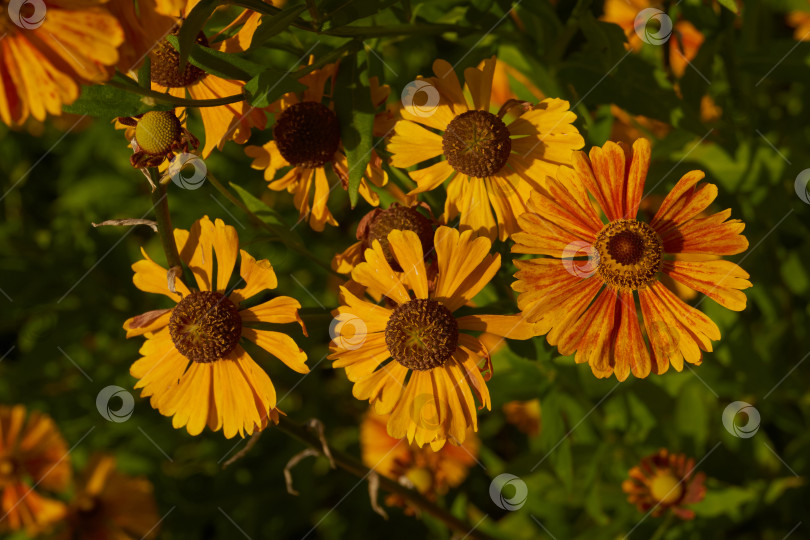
(166, 65)
(402, 218)
(205, 326)
(477, 143)
(421, 334)
(629, 254)
(665, 488)
(307, 134)
(157, 131)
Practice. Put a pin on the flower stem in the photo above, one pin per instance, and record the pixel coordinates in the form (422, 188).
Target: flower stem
(662, 528)
(359, 470)
(281, 235)
(168, 98)
(160, 199)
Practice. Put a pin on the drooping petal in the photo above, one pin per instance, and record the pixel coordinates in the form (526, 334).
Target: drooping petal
(407, 248)
(721, 281)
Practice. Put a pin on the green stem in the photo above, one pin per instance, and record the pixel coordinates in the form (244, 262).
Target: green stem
(568, 33)
(359, 470)
(160, 199)
(168, 98)
(662, 528)
(277, 233)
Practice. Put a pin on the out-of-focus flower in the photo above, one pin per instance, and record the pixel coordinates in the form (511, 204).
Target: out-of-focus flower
(109, 505)
(48, 49)
(34, 460)
(665, 482)
(525, 415)
(431, 473)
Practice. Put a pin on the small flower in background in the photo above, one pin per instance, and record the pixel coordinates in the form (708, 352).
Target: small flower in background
(193, 367)
(43, 63)
(684, 42)
(422, 336)
(110, 505)
(800, 20)
(524, 415)
(306, 137)
(593, 312)
(430, 473)
(664, 482)
(33, 460)
(157, 137)
(377, 224)
(493, 165)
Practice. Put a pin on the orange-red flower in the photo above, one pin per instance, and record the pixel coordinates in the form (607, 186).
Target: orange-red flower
(33, 460)
(664, 482)
(48, 49)
(589, 307)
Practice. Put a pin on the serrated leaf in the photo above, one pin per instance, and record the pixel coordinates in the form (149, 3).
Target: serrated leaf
(271, 25)
(224, 65)
(356, 115)
(109, 102)
(192, 26)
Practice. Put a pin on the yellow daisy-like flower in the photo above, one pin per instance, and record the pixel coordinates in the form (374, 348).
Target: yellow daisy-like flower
(591, 306)
(111, 505)
(33, 459)
(306, 138)
(525, 415)
(410, 357)
(223, 122)
(493, 165)
(48, 49)
(193, 367)
(430, 473)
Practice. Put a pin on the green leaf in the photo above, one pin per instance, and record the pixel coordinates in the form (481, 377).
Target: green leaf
(191, 28)
(356, 115)
(108, 102)
(145, 74)
(339, 12)
(270, 25)
(225, 65)
(265, 213)
(731, 5)
(270, 85)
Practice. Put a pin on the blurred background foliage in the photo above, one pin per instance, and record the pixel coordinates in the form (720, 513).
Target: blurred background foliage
(67, 289)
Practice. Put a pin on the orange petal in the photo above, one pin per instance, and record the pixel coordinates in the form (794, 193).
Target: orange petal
(719, 280)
